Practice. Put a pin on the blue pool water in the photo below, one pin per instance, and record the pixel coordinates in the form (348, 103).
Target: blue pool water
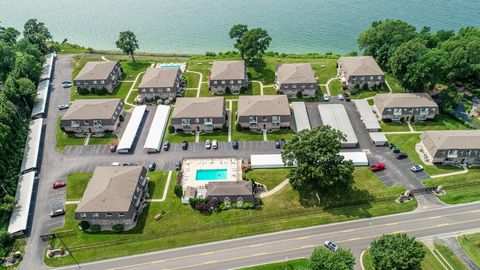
(171, 66)
(214, 174)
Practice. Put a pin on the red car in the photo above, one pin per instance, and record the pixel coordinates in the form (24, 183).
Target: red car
(377, 167)
(113, 147)
(58, 185)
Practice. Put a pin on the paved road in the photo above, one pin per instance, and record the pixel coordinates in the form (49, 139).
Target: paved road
(355, 235)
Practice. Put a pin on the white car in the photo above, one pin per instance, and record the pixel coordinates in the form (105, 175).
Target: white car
(67, 84)
(340, 96)
(215, 144)
(330, 245)
(208, 144)
(115, 163)
(63, 106)
(326, 97)
(417, 168)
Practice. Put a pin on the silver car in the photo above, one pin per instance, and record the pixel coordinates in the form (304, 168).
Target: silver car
(208, 144)
(215, 144)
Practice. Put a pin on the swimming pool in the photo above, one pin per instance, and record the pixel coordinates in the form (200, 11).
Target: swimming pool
(211, 175)
(171, 66)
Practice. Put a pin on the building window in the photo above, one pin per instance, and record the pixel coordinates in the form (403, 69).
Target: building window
(185, 121)
(223, 82)
(264, 119)
(168, 89)
(231, 82)
(96, 215)
(379, 77)
(197, 120)
(208, 121)
(83, 215)
(151, 90)
(103, 82)
(371, 78)
(109, 215)
(214, 82)
(239, 81)
(85, 123)
(294, 86)
(94, 82)
(120, 214)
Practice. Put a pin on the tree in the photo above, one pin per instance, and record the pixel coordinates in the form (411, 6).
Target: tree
(9, 35)
(396, 251)
(128, 43)
(383, 37)
(319, 166)
(323, 258)
(37, 33)
(7, 60)
(448, 99)
(237, 32)
(26, 47)
(26, 66)
(254, 43)
(6, 241)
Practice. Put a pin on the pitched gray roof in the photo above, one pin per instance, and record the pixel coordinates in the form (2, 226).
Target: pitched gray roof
(450, 139)
(360, 66)
(229, 188)
(159, 77)
(263, 105)
(111, 189)
(198, 107)
(87, 109)
(404, 100)
(296, 73)
(96, 70)
(228, 70)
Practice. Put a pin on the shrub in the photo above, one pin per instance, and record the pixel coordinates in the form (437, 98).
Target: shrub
(101, 91)
(121, 117)
(225, 128)
(227, 90)
(356, 86)
(6, 242)
(238, 127)
(95, 228)
(117, 228)
(83, 91)
(365, 87)
(299, 94)
(243, 89)
(178, 190)
(210, 54)
(171, 129)
(84, 225)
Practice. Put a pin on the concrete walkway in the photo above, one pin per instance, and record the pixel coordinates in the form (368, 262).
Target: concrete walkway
(450, 174)
(265, 138)
(87, 139)
(452, 243)
(388, 86)
(197, 136)
(105, 59)
(200, 81)
(275, 189)
(165, 191)
(230, 120)
(402, 132)
(261, 86)
(132, 88)
(327, 85)
(71, 202)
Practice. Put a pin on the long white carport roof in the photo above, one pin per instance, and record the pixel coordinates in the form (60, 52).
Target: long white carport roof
(301, 117)
(41, 100)
(368, 117)
(32, 145)
(23, 197)
(157, 128)
(132, 128)
(336, 116)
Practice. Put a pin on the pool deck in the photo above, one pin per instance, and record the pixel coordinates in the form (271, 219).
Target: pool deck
(190, 167)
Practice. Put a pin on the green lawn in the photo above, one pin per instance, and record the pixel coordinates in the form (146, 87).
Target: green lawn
(407, 142)
(368, 93)
(137, 83)
(63, 139)
(219, 135)
(156, 183)
(394, 84)
(441, 122)
(280, 211)
(268, 177)
(202, 66)
(471, 245)
(393, 126)
(256, 89)
(335, 88)
(371, 101)
(286, 134)
(132, 96)
(192, 79)
(108, 138)
(299, 264)
(190, 93)
(461, 188)
(120, 91)
(451, 258)
(76, 185)
(428, 263)
(131, 69)
(269, 90)
(243, 135)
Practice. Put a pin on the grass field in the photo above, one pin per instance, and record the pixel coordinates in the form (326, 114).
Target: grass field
(393, 127)
(441, 122)
(394, 84)
(192, 79)
(268, 177)
(270, 90)
(471, 245)
(299, 264)
(281, 211)
(221, 136)
(76, 185)
(461, 188)
(120, 91)
(335, 87)
(451, 258)
(407, 142)
(286, 134)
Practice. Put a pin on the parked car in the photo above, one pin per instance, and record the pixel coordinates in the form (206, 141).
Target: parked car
(208, 144)
(282, 142)
(215, 144)
(346, 96)
(63, 106)
(57, 212)
(340, 96)
(326, 97)
(377, 167)
(113, 147)
(330, 245)
(66, 84)
(235, 144)
(166, 146)
(277, 144)
(58, 184)
(151, 166)
(184, 145)
(417, 168)
(401, 155)
(178, 165)
(115, 163)
(394, 148)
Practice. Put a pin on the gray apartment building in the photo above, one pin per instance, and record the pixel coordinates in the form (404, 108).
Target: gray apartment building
(233, 192)
(199, 114)
(114, 195)
(99, 74)
(359, 70)
(406, 107)
(95, 116)
(452, 146)
(264, 112)
(228, 74)
(293, 78)
(160, 82)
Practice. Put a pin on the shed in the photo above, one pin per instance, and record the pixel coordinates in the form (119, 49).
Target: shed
(336, 116)
(32, 146)
(157, 129)
(358, 158)
(23, 197)
(368, 117)
(378, 138)
(266, 161)
(301, 117)
(40, 104)
(131, 130)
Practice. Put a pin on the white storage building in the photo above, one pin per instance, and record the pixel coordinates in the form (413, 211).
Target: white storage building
(378, 138)
(301, 116)
(368, 117)
(40, 104)
(157, 129)
(32, 146)
(336, 116)
(131, 130)
(23, 197)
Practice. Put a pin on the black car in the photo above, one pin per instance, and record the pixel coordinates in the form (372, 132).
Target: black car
(346, 96)
(282, 142)
(184, 145)
(235, 144)
(151, 166)
(277, 144)
(178, 165)
(401, 155)
(166, 146)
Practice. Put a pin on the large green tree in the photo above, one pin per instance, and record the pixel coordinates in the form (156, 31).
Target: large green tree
(254, 43)
(323, 258)
(27, 66)
(237, 32)
(448, 99)
(9, 35)
(396, 252)
(382, 38)
(319, 167)
(128, 43)
(37, 33)
(7, 60)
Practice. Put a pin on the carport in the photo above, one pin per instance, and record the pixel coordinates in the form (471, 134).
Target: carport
(41, 100)
(378, 138)
(336, 116)
(32, 146)
(47, 66)
(266, 161)
(157, 129)
(301, 116)
(368, 117)
(358, 158)
(23, 197)
(131, 130)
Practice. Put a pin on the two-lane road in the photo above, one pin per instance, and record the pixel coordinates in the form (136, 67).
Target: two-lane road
(259, 249)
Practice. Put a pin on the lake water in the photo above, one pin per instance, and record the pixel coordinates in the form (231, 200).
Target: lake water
(196, 26)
